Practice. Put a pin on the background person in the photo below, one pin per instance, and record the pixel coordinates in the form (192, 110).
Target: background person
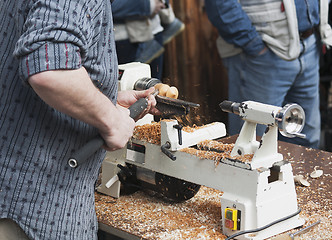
(271, 50)
(142, 28)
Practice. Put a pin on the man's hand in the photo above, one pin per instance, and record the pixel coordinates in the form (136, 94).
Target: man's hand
(129, 97)
(159, 5)
(121, 131)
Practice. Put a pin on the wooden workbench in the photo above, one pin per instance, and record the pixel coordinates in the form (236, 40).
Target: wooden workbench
(142, 216)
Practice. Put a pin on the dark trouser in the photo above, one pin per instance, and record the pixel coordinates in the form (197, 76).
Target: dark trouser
(157, 64)
(127, 52)
(10, 230)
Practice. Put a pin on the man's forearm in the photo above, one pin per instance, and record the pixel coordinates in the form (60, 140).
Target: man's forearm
(73, 93)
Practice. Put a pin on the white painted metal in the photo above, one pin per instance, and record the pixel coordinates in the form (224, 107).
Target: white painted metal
(263, 190)
(131, 72)
(170, 134)
(266, 151)
(260, 199)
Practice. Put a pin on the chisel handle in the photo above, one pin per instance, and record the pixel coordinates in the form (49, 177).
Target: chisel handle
(138, 107)
(82, 154)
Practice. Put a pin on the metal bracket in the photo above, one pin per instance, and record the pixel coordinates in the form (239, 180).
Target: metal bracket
(165, 149)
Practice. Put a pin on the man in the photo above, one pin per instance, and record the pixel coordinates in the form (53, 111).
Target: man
(142, 28)
(58, 90)
(271, 50)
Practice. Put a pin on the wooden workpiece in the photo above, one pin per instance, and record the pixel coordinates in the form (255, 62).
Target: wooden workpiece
(143, 216)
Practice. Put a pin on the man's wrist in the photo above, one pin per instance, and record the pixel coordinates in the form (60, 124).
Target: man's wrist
(255, 47)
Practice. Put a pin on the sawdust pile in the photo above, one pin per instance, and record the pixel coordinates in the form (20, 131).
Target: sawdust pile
(151, 218)
(212, 145)
(216, 151)
(198, 218)
(148, 132)
(151, 132)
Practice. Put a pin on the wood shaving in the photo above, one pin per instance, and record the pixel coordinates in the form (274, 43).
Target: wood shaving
(148, 132)
(215, 145)
(151, 132)
(299, 179)
(191, 129)
(198, 218)
(316, 173)
(151, 218)
(216, 151)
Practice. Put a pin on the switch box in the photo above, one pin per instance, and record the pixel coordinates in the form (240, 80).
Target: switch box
(232, 219)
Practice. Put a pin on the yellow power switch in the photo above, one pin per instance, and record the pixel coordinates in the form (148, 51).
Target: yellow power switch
(231, 218)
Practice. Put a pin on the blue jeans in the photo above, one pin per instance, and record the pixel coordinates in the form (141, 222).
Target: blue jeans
(272, 80)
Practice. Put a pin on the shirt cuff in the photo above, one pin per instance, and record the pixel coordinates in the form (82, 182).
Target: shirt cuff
(50, 56)
(152, 6)
(254, 47)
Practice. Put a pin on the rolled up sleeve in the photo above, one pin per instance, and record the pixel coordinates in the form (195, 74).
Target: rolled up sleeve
(55, 36)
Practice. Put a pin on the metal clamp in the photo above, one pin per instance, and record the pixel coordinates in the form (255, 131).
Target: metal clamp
(165, 149)
(179, 128)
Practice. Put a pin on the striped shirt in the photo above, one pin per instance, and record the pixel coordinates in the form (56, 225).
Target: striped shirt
(48, 199)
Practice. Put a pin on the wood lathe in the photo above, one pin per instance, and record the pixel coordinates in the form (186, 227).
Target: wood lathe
(259, 198)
